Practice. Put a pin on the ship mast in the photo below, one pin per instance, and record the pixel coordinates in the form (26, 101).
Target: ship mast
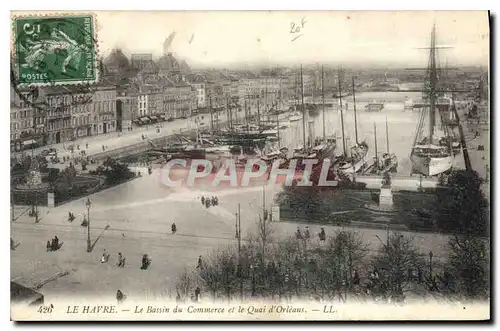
(376, 149)
(211, 116)
(341, 114)
(355, 117)
(323, 100)
(303, 108)
(258, 112)
(432, 85)
(387, 134)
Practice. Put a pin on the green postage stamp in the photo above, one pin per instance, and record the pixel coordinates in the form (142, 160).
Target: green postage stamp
(55, 50)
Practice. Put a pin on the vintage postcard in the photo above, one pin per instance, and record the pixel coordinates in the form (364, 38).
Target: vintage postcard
(272, 165)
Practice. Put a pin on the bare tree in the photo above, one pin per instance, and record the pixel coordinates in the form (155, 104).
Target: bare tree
(344, 253)
(185, 283)
(265, 232)
(227, 267)
(467, 269)
(210, 276)
(391, 265)
(349, 245)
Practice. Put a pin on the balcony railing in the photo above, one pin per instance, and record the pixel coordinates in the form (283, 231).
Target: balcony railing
(58, 115)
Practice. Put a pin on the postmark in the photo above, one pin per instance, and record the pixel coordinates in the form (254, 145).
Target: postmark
(55, 50)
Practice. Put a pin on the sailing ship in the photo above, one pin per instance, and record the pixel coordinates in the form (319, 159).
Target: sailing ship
(374, 106)
(388, 162)
(320, 148)
(428, 157)
(357, 158)
(342, 94)
(295, 116)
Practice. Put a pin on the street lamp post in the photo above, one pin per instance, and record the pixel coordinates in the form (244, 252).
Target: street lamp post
(430, 263)
(89, 244)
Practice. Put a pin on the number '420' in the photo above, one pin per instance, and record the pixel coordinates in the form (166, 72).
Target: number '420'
(45, 309)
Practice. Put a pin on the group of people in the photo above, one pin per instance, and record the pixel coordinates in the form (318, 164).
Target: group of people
(194, 298)
(121, 259)
(307, 235)
(209, 201)
(53, 245)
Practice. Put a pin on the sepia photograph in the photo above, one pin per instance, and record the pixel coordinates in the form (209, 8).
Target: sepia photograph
(250, 165)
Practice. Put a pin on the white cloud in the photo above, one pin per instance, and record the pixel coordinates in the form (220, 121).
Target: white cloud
(347, 37)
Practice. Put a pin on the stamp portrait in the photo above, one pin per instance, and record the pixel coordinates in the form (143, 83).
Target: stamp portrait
(55, 50)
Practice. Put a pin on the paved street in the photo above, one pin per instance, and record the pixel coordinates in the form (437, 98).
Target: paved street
(140, 214)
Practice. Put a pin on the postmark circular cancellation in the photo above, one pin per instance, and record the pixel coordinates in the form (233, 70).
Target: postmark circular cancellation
(58, 51)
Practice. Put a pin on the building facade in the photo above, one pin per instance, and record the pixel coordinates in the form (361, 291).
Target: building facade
(27, 121)
(141, 61)
(74, 115)
(179, 101)
(126, 108)
(104, 110)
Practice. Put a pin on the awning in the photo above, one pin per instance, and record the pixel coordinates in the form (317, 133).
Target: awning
(29, 142)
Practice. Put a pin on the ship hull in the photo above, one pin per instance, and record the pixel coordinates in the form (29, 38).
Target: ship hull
(356, 164)
(430, 166)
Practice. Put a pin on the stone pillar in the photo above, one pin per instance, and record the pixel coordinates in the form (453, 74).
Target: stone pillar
(385, 200)
(275, 213)
(50, 200)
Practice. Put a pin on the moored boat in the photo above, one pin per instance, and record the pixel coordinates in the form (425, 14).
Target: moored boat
(295, 116)
(430, 160)
(429, 157)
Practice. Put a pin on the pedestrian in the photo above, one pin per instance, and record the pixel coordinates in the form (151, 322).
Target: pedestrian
(119, 296)
(322, 235)
(298, 234)
(174, 228)
(85, 223)
(104, 257)
(121, 261)
(307, 235)
(146, 261)
(197, 294)
(48, 246)
(356, 277)
(202, 200)
(200, 263)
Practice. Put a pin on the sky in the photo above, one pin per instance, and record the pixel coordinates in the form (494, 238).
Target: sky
(340, 37)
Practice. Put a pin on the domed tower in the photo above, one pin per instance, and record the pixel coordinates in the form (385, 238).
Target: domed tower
(116, 62)
(168, 63)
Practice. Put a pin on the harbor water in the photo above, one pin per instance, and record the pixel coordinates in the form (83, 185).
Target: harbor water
(401, 123)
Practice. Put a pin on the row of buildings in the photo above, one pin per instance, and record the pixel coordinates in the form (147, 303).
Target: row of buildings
(139, 88)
